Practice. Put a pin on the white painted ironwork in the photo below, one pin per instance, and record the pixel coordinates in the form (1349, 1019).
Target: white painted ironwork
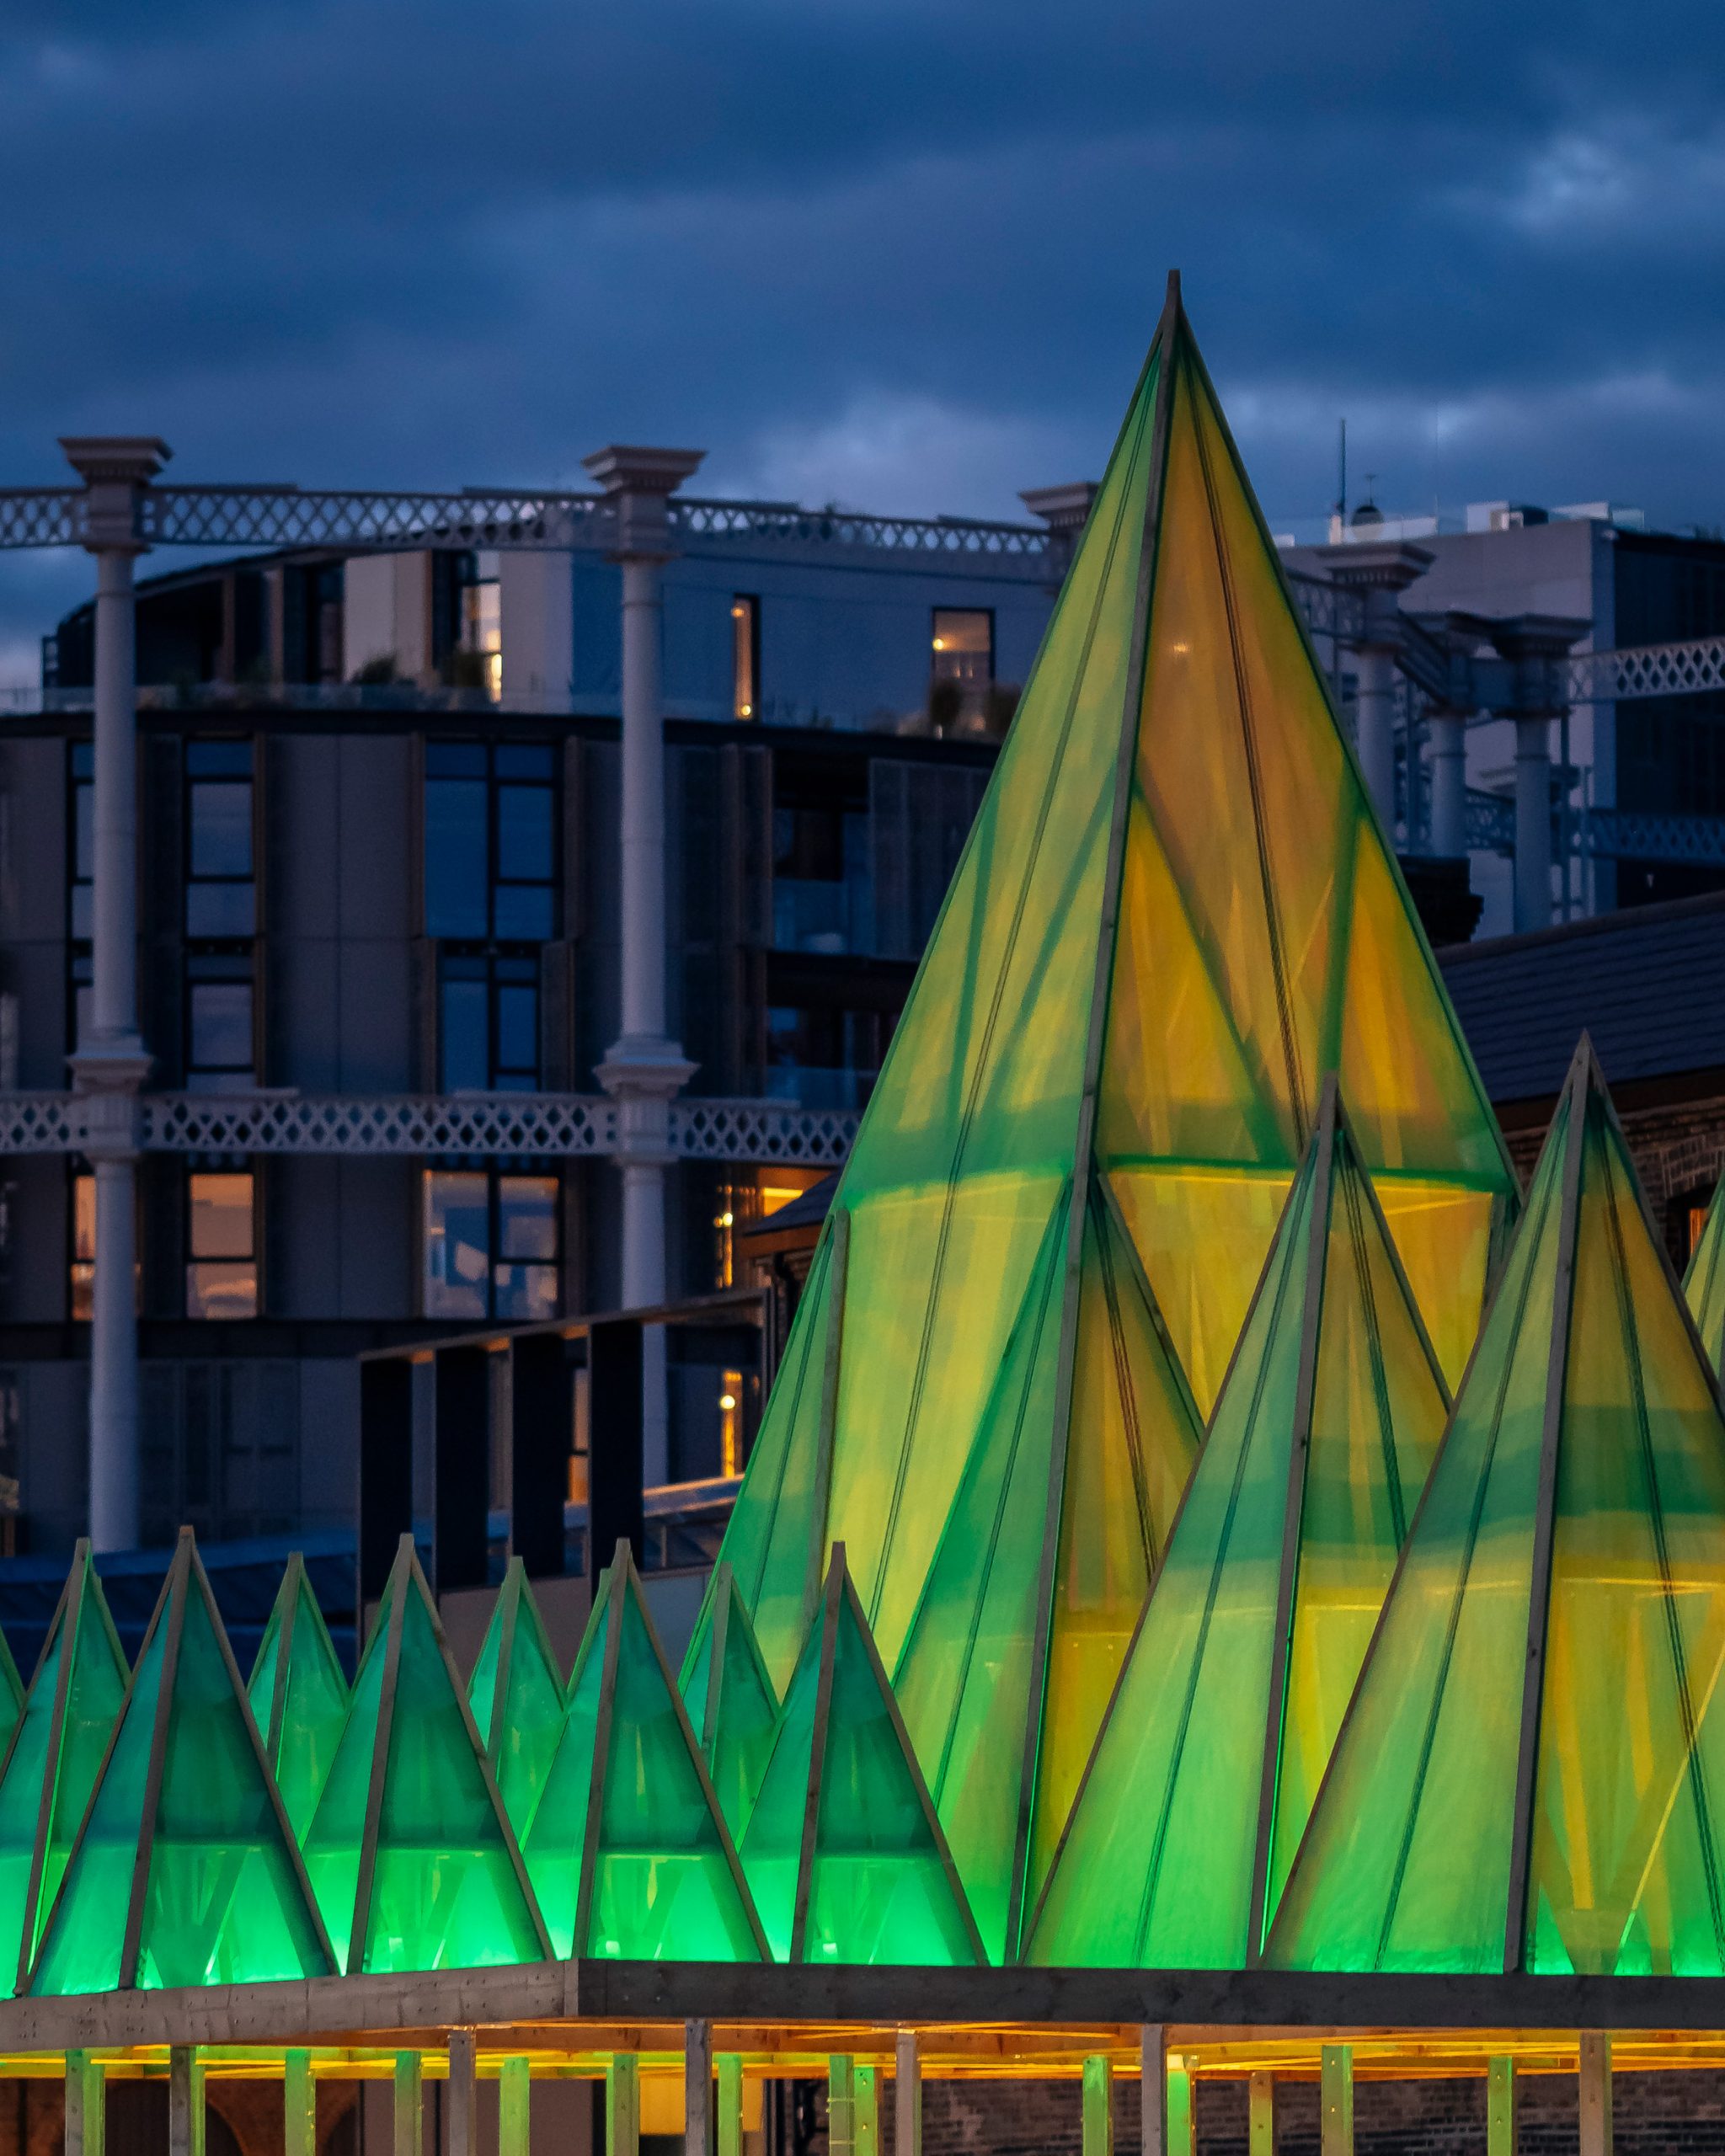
(767, 1131)
(1693, 668)
(294, 517)
(497, 1125)
(786, 521)
(41, 516)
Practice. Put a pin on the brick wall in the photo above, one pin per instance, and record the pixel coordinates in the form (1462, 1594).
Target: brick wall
(1678, 1151)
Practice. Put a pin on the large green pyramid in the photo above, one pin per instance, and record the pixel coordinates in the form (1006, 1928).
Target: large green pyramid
(1176, 911)
(1530, 1773)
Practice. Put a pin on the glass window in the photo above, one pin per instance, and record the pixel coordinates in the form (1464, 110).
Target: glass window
(493, 1245)
(457, 1243)
(481, 636)
(526, 1275)
(219, 892)
(964, 645)
(490, 842)
(490, 1022)
(84, 1247)
(219, 1057)
(746, 656)
(222, 1268)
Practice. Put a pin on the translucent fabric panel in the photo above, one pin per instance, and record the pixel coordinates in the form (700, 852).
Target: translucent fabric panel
(1202, 1234)
(1133, 1436)
(557, 1837)
(10, 1695)
(1405, 1862)
(1264, 937)
(664, 1888)
(934, 1280)
(775, 1532)
(84, 1936)
(58, 1752)
(1378, 1410)
(1626, 1868)
(1704, 1282)
(301, 1713)
(965, 1683)
(877, 1885)
(1445, 1235)
(331, 1845)
(972, 1124)
(732, 1705)
(445, 1891)
(517, 1697)
(1155, 1870)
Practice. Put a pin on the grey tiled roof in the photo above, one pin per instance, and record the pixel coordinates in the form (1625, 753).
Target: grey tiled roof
(1648, 983)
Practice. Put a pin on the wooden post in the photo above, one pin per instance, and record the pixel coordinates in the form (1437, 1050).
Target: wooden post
(1097, 2138)
(730, 2067)
(461, 2099)
(299, 2106)
(1261, 2115)
(1181, 2136)
(1500, 2107)
(841, 2106)
(1153, 2089)
(185, 2102)
(865, 2110)
(697, 2089)
(408, 2137)
(907, 2095)
(1595, 2092)
(514, 2107)
(86, 2104)
(623, 2105)
(1336, 2075)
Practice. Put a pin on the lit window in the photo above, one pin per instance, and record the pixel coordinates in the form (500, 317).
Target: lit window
(482, 623)
(1697, 1224)
(746, 656)
(222, 1268)
(84, 1247)
(740, 1204)
(964, 645)
(492, 1245)
(731, 1423)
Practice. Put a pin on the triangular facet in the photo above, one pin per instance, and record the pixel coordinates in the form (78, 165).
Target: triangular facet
(1251, 1638)
(731, 1704)
(55, 1756)
(516, 1694)
(298, 1695)
(844, 1851)
(1530, 1773)
(185, 1870)
(10, 1695)
(1704, 1280)
(409, 1852)
(1264, 938)
(628, 1849)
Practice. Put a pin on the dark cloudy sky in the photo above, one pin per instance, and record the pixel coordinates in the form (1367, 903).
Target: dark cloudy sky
(900, 254)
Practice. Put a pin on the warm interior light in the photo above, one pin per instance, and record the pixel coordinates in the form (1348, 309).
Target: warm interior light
(940, 644)
(727, 1400)
(736, 613)
(745, 711)
(725, 1220)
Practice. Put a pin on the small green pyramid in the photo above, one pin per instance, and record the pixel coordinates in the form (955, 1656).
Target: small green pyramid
(55, 1755)
(730, 1699)
(184, 1870)
(1529, 1776)
(844, 1853)
(517, 1697)
(409, 1852)
(628, 1851)
(298, 1695)
(1704, 1280)
(1249, 1646)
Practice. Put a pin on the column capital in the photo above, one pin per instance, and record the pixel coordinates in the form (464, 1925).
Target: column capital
(115, 469)
(643, 1076)
(638, 483)
(1537, 646)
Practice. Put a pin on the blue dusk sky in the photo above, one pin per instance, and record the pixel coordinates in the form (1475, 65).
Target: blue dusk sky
(903, 255)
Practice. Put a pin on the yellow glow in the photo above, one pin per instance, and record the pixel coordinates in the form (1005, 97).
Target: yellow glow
(727, 1400)
(737, 613)
(940, 644)
(745, 711)
(726, 1221)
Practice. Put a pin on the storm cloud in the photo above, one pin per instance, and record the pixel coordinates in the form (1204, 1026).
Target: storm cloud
(905, 256)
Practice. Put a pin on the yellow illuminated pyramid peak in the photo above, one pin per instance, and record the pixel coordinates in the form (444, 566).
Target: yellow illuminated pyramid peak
(1176, 912)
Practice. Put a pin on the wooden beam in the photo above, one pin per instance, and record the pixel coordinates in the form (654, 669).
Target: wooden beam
(407, 2134)
(1500, 2108)
(514, 2107)
(697, 2088)
(185, 2102)
(1261, 2115)
(1098, 2136)
(1335, 2091)
(1595, 2092)
(460, 2101)
(907, 2094)
(623, 2105)
(299, 2106)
